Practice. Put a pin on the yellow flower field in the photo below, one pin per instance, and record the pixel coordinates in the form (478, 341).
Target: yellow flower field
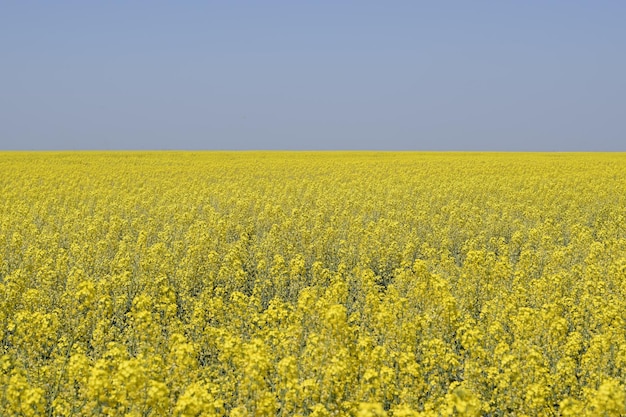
(312, 284)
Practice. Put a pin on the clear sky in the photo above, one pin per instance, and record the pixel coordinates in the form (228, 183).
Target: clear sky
(397, 75)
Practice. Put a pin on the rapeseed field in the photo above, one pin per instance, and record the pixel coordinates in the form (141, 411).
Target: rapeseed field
(312, 284)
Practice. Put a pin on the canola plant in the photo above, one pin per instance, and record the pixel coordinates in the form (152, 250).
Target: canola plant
(312, 284)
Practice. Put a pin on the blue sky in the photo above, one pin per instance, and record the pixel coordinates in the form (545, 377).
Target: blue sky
(397, 75)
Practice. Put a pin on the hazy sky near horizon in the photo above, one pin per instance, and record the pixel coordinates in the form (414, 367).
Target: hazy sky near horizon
(397, 75)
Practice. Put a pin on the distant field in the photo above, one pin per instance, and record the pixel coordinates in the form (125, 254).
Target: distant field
(312, 284)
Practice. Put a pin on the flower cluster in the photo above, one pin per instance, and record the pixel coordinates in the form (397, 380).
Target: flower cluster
(312, 284)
